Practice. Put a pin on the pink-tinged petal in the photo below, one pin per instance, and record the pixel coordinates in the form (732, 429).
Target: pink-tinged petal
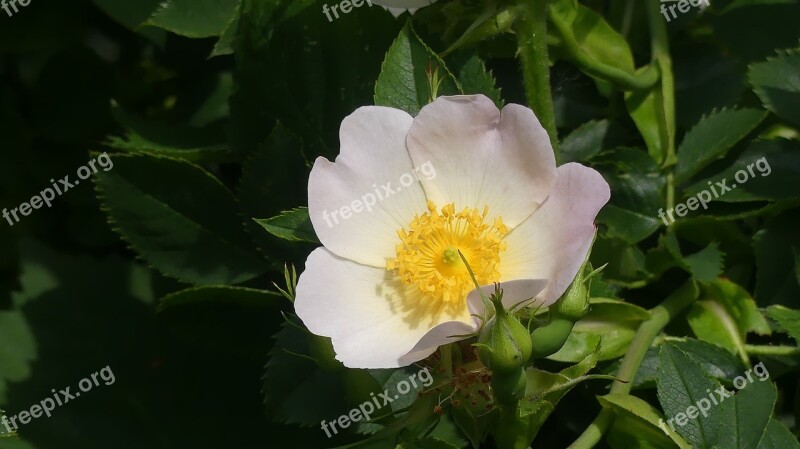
(397, 7)
(443, 334)
(553, 243)
(484, 157)
(373, 320)
(516, 294)
(368, 176)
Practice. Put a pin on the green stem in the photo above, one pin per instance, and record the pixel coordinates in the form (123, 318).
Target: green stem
(659, 48)
(670, 192)
(647, 332)
(772, 350)
(485, 27)
(531, 30)
(645, 79)
(446, 352)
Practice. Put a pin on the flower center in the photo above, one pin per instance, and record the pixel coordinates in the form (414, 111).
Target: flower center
(428, 253)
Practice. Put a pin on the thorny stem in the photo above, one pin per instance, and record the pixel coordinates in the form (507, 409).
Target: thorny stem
(531, 31)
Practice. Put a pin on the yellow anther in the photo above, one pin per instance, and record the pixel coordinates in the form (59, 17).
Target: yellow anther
(427, 256)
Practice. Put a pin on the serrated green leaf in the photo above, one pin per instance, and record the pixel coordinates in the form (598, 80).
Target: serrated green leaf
(788, 320)
(543, 385)
(610, 323)
(776, 282)
(724, 316)
(544, 390)
(710, 79)
(293, 225)
(630, 432)
(666, 255)
(777, 83)
(681, 384)
(18, 356)
(716, 362)
(706, 264)
(300, 369)
(778, 436)
(113, 324)
(588, 140)
(162, 139)
(405, 79)
(745, 416)
(285, 52)
(638, 411)
(765, 170)
(178, 218)
(229, 295)
(130, 14)
(271, 172)
(448, 432)
(646, 109)
(626, 263)
(194, 18)
(213, 104)
(637, 187)
(712, 137)
(475, 79)
(627, 225)
(224, 45)
(290, 380)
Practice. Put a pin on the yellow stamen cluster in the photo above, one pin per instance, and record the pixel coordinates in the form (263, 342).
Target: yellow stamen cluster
(427, 256)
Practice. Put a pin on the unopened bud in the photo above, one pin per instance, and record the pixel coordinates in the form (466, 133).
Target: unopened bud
(504, 343)
(574, 303)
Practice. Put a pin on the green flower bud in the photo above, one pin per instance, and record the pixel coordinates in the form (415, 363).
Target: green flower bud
(574, 303)
(504, 343)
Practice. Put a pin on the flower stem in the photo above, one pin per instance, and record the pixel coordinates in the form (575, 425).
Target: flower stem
(446, 353)
(644, 79)
(659, 49)
(772, 350)
(647, 332)
(531, 30)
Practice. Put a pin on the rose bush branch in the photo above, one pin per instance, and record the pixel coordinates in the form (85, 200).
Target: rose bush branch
(531, 31)
(660, 316)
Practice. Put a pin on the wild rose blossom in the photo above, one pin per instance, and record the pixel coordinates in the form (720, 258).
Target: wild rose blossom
(389, 286)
